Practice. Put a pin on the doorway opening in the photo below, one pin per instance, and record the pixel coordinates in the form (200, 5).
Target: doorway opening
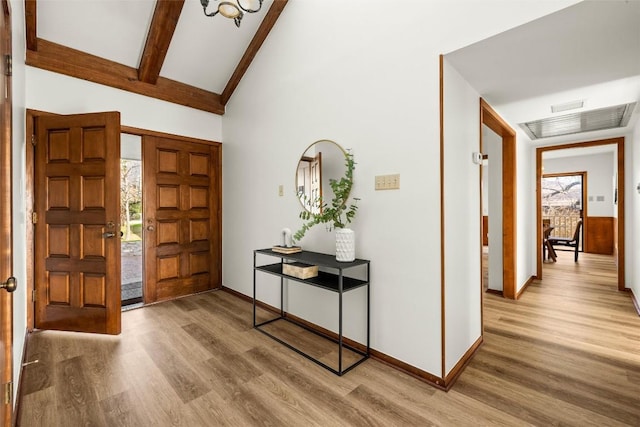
(132, 243)
(604, 223)
(505, 251)
(492, 265)
(563, 204)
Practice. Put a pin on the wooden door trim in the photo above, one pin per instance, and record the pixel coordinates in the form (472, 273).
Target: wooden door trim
(29, 200)
(491, 119)
(619, 142)
(146, 132)
(31, 115)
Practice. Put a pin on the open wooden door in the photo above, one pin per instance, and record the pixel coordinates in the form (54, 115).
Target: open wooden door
(6, 229)
(181, 202)
(77, 234)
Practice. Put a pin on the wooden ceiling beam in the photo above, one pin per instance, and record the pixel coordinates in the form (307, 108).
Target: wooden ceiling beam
(263, 31)
(163, 25)
(31, 27)
(71, 62)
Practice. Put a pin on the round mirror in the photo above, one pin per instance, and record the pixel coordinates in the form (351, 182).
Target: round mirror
(321, 161)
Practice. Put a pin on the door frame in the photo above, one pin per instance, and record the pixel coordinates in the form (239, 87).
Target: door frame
(29, 199)
(217, 214)
(619, 238)
(493, 121)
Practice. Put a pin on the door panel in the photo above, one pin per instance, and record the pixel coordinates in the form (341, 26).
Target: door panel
(181, 218)
(77, 249)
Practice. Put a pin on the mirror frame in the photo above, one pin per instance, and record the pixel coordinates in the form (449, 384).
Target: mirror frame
(302, 158)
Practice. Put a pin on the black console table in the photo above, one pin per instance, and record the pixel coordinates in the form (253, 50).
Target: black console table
(334, 282)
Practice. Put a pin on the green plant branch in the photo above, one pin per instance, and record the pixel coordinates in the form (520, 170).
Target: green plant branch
(338, 214)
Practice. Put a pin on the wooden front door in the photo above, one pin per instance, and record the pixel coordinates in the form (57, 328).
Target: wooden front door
(6, 229)
(77, 234)
(181, 202)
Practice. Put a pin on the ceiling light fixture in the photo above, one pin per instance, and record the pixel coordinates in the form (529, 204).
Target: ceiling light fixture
(573, 105)
(233, 9)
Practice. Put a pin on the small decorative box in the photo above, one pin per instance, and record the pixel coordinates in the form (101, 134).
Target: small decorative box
(300, 270)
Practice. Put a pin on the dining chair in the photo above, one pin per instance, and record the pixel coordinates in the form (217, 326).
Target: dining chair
(573, 242)
(546, 246)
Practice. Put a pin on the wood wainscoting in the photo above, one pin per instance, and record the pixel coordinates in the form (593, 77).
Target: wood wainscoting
(599, 235)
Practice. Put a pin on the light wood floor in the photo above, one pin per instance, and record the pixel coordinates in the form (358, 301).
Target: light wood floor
(566, 353)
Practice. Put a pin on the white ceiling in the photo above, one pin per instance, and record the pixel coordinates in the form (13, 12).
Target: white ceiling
(588, 51)
(203, 52)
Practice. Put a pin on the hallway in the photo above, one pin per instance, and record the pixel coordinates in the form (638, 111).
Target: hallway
(567, 351)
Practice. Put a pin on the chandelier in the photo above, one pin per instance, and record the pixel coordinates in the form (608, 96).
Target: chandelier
(233, 9)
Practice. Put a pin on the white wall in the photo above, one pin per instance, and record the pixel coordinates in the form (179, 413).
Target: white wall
(614, 180)
(492, 145)
(632, 212)
(526, 245)
(485, 184)
(57, 93)
(600, 174)
(371, 84)
(463, 282)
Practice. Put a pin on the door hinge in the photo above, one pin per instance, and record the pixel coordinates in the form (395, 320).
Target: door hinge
(33, 295)
(8, 64)
(8, 393)
(34, 217)
(33, 140)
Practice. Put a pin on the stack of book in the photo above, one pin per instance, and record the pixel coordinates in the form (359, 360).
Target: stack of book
(286, 249)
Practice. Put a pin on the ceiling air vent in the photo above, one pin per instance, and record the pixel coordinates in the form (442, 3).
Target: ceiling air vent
(584, 121)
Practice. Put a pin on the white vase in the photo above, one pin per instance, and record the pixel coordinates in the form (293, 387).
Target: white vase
(345, 245)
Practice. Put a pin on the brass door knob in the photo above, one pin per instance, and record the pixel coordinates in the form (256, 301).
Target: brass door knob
(10, 285)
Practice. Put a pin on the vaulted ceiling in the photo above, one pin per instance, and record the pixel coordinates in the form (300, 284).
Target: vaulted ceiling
(168, 49)
(165, 49)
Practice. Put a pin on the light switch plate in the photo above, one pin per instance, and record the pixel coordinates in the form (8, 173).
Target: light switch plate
(388, 182)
